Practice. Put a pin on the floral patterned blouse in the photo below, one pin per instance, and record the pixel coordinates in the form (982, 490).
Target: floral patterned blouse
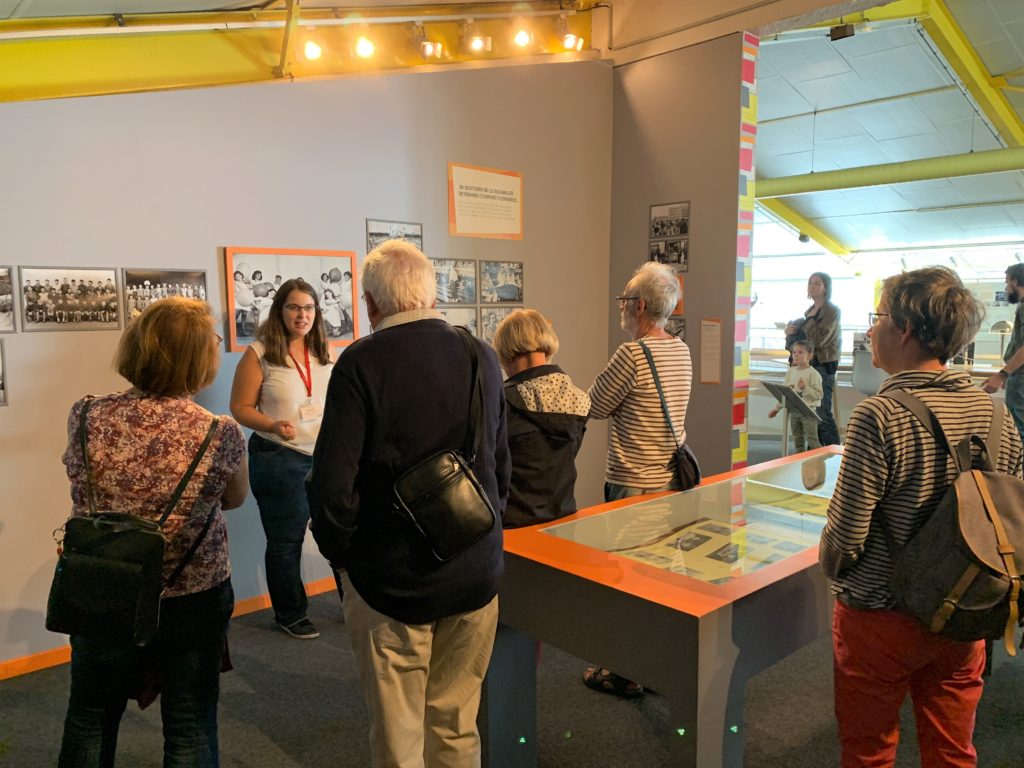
(139, 449)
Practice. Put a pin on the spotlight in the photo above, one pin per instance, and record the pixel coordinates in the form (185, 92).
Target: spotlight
(522, 38)
(429, 49)
(312, 50)
(803, 237)
(570, 41)
(472, 40)
(365, 47)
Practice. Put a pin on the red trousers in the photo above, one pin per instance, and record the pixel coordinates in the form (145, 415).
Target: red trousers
(881, 655)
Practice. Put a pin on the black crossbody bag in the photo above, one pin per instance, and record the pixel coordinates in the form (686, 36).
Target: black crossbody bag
(687, 468)
(107, 584)
(441, 495)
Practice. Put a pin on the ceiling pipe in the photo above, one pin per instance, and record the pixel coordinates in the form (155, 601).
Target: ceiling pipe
(949, 166)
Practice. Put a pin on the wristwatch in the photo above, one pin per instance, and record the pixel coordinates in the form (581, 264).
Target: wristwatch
(1004, 373)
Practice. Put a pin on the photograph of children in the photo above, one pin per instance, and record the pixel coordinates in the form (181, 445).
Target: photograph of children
(489, 319)
(672, 252)
(6, 300)
(729, 553)
(68, 299)
(379, 230)
(456, 281)
(141, 287)
(690, 541)
(676, 326)
(669, 220)
(255, 274)
(3, 375)
(464, 316)
(721, 530)
(501, 282)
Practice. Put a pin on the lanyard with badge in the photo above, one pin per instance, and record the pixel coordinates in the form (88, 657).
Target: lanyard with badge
(311, 409)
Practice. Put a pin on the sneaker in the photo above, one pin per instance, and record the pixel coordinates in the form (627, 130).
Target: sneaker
(303, 629)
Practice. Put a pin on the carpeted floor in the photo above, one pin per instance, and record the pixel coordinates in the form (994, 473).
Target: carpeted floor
(296, 704)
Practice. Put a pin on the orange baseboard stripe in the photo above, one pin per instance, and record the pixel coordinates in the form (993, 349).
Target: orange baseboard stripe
(57, 656)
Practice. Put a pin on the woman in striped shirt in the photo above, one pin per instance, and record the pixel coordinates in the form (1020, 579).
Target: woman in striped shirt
(893, 467)
(641, 447)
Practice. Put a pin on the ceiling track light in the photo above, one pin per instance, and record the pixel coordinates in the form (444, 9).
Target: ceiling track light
(522, 36)
(570, 41)
(429, 49)
(472, 40)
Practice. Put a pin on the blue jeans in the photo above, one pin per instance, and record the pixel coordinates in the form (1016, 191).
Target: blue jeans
(186, 653)
(277, 477)
(828, 432)
(1015, 400)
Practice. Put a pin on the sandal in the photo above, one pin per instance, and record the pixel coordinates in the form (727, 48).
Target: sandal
(606, 681)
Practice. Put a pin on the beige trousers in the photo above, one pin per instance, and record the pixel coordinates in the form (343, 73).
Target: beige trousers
(421, 683)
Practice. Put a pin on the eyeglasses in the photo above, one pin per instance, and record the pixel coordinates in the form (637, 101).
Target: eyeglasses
(873, 317)
(219, 338)
(296, 308)
(623, 299)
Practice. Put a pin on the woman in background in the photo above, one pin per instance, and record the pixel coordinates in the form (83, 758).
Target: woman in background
(140, 444)
(547, 416)
(279, 391)
(820, 327)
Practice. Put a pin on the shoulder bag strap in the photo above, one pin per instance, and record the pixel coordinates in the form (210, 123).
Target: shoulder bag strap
(471, 444)
(176, 496)
(661, 394)
(82, 428)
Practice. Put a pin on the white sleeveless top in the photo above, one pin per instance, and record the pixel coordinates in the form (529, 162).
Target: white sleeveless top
(283, 391)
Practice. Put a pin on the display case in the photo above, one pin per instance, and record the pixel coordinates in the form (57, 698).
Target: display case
(704, 589)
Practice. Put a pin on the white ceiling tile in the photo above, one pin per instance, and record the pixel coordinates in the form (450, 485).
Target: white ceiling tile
(777, 98)
(901, 70)
(834, 91)
(1008, 11)
(936, 196)
(807, 59)
(990, 187)
(982, 217)
(977, 19)
(892, 120)
(1000, 56)
(916, 147)
(944, 106)
(968, 135)
(782, 138)
(877, 39)
(820, 205)
(836, 125)
(1015, 31)
(874, 200)
(773, 167)
(852, 152)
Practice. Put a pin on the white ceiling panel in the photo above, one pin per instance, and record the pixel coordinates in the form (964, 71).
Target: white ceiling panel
(1015, 30)
(853, 152)
(774, 166)
(908, 69)
(879, 39)
(978, 19)
(982, 217)
(824, 205)
(873, 200)
(802, 60)
(969, 135)
(784, 138)
(934, 197)
(992, 187)
(835, 91)
(777, 98)
(1008, 11)
(892, 120)
(945, 106)
(836, 125)
(1000, 56)
(916, 147)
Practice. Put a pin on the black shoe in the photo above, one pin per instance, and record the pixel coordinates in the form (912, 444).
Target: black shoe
(303, 629)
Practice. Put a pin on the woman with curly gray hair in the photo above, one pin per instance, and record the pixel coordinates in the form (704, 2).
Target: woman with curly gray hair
(892, 477)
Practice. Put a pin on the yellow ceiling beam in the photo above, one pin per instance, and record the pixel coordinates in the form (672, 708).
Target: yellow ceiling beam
(950, 39)
(802, 224)
(95, 56)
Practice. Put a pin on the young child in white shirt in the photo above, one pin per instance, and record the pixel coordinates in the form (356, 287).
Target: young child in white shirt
(806, 382)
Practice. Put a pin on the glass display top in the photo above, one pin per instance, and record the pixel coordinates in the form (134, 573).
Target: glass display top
(720, 531)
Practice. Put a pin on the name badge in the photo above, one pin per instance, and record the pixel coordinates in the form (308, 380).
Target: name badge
(311, 410)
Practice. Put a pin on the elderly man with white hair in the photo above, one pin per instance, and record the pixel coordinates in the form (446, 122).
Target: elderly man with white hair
(421, 629)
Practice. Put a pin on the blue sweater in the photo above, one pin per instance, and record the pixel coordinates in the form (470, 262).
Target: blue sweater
(395, 398)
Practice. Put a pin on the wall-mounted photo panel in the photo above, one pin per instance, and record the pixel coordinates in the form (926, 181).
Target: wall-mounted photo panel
(676, 326)
(6, 300)
(141, 287)
(3, 375)
(669, 220)
(489, 319)
(501, 282)
(464, 316)
(69, 299)
(381, 230)
(456, 281)
(255, 274)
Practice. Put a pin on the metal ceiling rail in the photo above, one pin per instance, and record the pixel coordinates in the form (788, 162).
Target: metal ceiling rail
(948, 166)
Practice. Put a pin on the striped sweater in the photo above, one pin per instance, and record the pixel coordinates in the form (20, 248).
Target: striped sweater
(890, 461)
(641, 450)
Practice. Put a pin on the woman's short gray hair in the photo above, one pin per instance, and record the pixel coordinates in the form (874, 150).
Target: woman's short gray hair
(657, 285)
(934, 304)
(399, 277)
(522, 332)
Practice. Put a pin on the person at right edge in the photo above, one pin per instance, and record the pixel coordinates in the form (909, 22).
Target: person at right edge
(894, 471)
(1011, 375)
(421, 629)
(641, 448)
(820, 326)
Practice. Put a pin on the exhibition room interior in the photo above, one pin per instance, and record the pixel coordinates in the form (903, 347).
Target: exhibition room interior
(144, 140)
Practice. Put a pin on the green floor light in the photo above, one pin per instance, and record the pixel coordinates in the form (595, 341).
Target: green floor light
(522, 739)
(680, 731)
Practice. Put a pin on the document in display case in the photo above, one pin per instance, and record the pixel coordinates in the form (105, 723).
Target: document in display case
(708, 587)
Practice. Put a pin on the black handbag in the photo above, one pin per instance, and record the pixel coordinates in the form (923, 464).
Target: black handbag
(687, 467)
(107, 584)
(441, 496)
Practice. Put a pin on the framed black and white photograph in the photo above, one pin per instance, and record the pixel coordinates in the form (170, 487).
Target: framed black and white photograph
(3, 375)
(489, 319)
(676, 326)
(380, 230)
(669, 220)
(255, 274)
(501, 282)
(68, 299)
(141, 287)
(6, 300)
(464, 316)
(456, 281)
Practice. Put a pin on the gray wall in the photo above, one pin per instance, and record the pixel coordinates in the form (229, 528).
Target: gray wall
(676, 129)
(163, 180)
